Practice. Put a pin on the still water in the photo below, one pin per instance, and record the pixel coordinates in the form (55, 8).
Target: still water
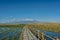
(10, 32)
(50, 33)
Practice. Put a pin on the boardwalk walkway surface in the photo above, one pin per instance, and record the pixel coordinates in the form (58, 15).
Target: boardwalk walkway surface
(27, 34)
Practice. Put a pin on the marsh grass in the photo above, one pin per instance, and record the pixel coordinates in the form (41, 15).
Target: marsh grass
(13, 26)
(55, 27)
(48, 27)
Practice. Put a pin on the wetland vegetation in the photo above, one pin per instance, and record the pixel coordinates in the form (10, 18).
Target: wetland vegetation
(11, 32)
(16, 29)
(54, 27)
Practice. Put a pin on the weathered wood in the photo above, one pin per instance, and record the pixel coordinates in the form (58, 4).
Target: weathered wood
(57, 39)
(36, 33)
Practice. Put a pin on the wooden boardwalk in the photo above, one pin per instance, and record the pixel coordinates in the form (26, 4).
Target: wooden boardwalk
(31, 34)
(28, 35)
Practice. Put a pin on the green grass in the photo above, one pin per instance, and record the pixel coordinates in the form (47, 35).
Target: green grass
(13, 26)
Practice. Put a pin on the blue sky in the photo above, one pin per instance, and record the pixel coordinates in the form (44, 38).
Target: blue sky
(41, 10)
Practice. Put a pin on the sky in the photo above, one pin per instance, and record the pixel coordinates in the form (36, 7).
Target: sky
(40, 10)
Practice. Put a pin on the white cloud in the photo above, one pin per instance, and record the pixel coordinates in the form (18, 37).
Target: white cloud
(9, 19)
(11, 16)
(27, 19)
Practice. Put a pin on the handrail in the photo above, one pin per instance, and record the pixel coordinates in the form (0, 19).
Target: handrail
(41, 35)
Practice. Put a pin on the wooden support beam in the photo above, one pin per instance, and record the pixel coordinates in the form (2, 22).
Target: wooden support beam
(57, 39)
(38, 35)
(43, 37)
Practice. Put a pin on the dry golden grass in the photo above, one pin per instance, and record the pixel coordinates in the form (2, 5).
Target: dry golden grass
(55, 27)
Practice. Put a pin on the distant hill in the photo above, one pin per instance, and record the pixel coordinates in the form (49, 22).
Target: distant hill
(21, 22)
(27, 22)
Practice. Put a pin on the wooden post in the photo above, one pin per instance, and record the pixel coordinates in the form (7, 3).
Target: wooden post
(38, 35)
(56, 39)
(43, 37)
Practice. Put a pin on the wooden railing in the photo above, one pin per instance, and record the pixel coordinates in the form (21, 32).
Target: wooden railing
(41, 36)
